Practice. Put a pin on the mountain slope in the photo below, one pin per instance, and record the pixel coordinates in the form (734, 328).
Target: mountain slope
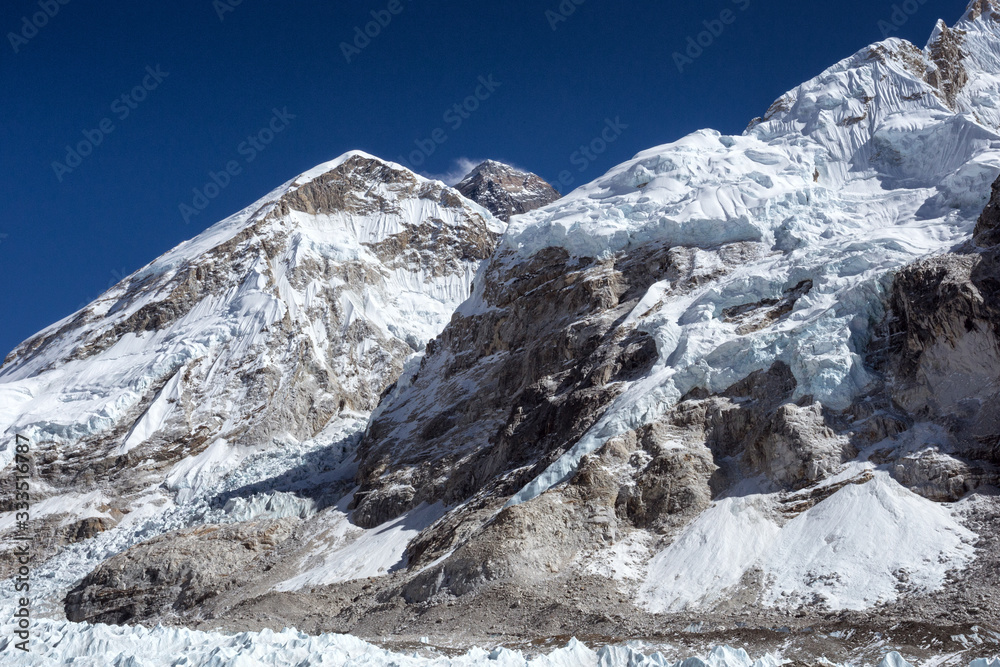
(790, 231)
(713, 323)
(291, 317)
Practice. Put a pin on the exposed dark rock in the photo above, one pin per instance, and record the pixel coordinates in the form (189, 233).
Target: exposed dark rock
(985, 9)
(506, 191)
(949, 76)
(987, 232)
(760, 315)
(545, 369)
(944, 360)
(173, 573)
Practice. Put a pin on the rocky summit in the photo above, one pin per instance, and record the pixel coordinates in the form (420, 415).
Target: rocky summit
(506, 191)
(738, 389)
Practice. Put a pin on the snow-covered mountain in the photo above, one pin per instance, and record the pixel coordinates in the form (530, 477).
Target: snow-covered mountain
(736, 384)
(283, 322)
(505, 190)
(702, 352)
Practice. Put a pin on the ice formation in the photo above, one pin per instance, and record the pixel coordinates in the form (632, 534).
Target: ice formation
(855, 173)
(60, 643)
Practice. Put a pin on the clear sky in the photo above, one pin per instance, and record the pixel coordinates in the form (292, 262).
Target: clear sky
(153, 98)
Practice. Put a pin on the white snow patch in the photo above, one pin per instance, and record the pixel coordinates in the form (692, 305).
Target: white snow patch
(339, 551)
(152, 420)
(850, 551)
(854, 548)
(622, 561)
(709, 557)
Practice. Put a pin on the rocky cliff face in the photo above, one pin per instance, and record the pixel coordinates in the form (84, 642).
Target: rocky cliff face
(506, 191)
(943, 364)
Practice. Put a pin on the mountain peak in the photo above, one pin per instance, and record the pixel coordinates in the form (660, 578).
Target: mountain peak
(505, 190)
(354, 157)
(493, 166)
(982, 8)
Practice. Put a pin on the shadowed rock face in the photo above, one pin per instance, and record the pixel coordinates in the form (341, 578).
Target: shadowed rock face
(944, 354)
(505, 191)
(502, 394)
(987, 232)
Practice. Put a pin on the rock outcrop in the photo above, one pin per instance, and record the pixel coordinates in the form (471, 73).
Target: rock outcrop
(545, 368)
(175, 573)
(506, 191)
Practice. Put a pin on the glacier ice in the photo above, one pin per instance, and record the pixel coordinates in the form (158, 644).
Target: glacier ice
(61, 643)
(852, 175)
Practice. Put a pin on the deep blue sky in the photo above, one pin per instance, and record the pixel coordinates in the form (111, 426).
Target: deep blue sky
(63, 243)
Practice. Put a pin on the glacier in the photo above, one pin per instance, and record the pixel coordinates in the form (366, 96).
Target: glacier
(858, 172)
(60, 643)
